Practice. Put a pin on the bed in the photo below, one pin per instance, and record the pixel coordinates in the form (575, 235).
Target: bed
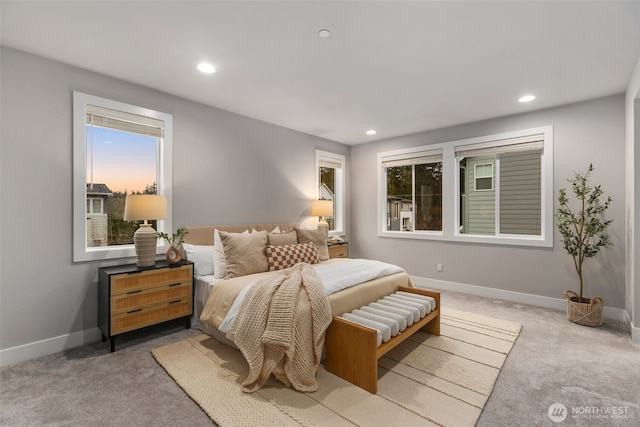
(341, 302)
(220, 285)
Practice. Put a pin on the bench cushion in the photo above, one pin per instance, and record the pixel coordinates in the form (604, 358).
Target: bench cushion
(392, 314)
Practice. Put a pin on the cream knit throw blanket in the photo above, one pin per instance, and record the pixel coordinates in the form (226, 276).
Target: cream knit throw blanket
(283, 318)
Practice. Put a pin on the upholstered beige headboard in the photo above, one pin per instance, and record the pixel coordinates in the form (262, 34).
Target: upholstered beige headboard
(203, 235)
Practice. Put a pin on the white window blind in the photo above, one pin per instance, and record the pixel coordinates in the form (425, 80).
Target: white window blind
(417, 158)
(120, 120)
(527, 143)
(330, 163)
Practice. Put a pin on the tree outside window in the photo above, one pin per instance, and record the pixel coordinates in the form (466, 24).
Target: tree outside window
(414, 197)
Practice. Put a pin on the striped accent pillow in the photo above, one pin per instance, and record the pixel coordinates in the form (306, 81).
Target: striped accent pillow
(285, 256)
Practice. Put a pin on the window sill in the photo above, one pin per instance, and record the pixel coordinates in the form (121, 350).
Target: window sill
(531, 241)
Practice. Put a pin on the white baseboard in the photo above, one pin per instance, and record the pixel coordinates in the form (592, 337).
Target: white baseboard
(635, 332)
(517, 297)
(32, 350)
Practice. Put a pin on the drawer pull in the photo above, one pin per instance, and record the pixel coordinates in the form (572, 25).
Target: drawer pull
(174, 302)
(134, 292)
(133, 311)
(175, 284)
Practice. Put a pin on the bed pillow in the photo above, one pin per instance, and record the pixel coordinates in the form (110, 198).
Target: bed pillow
(245, 253)
(285, 256)
(319, 237)
(219, 259)
(286, 238)
(202, 258)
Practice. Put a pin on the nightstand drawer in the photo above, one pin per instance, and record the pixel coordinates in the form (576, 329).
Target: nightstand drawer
(142, 317)
(123, 283)
(339, 251)
(144, 298)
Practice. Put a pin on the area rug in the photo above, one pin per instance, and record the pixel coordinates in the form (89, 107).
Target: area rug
(427, 380)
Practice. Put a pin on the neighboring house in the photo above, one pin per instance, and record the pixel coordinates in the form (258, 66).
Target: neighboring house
(400, 216)
(97, 215)
(514, 181)
(325, 192)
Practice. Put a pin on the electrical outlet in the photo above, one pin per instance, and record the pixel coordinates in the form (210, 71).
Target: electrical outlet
(440, 268)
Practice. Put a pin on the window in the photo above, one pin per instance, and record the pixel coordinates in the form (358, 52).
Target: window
(330, 168)
(413, 191)
(94, 206)
(119, 149)
(514, 205)
(493, 189)
(483, 177)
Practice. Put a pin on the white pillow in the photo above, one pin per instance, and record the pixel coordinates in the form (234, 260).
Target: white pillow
(202, 258)
(219, 260)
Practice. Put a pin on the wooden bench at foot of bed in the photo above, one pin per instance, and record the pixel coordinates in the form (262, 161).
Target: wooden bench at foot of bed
(352, 352)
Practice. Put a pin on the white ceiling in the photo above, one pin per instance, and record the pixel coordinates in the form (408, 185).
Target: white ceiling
(398, 67)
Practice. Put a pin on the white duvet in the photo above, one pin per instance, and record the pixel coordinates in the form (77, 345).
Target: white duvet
(335, 276)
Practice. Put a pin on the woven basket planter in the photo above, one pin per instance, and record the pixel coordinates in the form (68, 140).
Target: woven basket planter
(589, 313)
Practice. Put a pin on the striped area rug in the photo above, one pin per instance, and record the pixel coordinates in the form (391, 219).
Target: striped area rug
(427, 380)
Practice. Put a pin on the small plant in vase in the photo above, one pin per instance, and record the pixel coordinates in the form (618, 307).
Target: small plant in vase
(584, 233)
(175, 240)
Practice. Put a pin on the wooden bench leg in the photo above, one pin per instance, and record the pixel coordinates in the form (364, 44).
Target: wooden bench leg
(351, 353)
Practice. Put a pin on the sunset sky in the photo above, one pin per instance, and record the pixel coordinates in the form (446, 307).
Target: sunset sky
(121, 160)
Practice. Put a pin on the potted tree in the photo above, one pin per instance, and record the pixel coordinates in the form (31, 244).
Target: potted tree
(584, 233)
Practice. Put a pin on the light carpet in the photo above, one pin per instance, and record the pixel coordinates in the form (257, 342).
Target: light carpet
(427, 380)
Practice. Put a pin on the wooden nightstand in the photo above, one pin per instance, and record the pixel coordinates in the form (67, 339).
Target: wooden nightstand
(132, 297)
(338, 250)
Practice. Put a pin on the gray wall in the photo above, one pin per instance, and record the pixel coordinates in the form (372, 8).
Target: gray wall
(228, 169)
(586, 132)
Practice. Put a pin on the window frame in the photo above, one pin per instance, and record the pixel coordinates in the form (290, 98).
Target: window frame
(339, 201)
(81, 252)
(451, 190)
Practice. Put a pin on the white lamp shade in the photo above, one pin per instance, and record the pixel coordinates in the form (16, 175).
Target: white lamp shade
(145, 207)
(322, 208)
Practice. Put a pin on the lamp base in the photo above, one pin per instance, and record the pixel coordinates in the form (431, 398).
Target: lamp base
(145, 240)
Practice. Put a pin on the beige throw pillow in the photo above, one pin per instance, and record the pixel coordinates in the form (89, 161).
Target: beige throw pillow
(319, 237)
(279, 239)
(245, 253)
(219, 260)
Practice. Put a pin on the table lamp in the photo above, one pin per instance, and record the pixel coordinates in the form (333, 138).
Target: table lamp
(138, 207)
(322, 208)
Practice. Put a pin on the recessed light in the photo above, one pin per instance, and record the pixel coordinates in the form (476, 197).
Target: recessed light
(527, 98)
(371, 132)
(207, 68)
(324, 33)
